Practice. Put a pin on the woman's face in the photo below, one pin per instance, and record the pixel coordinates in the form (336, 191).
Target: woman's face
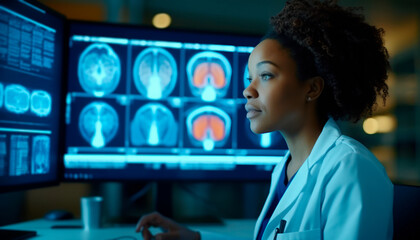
(275, 96)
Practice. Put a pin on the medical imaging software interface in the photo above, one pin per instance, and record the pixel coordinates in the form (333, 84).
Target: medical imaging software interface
(30, 89)
(151, 104)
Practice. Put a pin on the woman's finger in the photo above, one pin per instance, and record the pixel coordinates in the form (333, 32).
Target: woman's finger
(147, 235)
(153, 219)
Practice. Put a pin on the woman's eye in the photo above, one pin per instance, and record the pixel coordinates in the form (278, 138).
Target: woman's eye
(266, 76)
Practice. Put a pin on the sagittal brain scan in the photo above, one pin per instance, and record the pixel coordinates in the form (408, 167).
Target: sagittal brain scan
(40, 155)
(41, 103)
(99, 69)
(16, 98)
(1, 95)
(154, 125)
(155, 73)
(208, 127)
(209, 75)
(98, 123)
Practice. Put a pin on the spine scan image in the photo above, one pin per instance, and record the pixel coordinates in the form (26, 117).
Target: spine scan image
(3, 152)
(99, 69)
(154, 125)
(40, 155)
(19, 151)
(41, 103)
(98, 124)
(209, 75)
(16, 99)
(208, 127)
(155, 73)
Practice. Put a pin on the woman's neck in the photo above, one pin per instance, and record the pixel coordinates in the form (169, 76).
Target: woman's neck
(302, 140)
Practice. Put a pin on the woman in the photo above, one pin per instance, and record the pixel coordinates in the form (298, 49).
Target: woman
(320, 63)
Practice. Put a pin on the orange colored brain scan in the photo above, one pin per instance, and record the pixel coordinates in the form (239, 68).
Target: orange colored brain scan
(209, 126)
(209, 73)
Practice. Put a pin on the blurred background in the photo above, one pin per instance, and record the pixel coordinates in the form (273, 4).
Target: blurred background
(392, 134)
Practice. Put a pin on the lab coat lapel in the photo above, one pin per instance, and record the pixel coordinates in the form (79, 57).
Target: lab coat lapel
(325, 141)
(289, 197)
(274, 181)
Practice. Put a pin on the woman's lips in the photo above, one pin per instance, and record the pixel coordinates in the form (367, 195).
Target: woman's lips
(252, 111)
(252, 114)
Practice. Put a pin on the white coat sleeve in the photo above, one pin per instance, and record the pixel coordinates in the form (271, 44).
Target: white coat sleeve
(358, 198)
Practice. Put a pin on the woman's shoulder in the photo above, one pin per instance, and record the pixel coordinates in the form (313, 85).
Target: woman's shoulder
(349, 156)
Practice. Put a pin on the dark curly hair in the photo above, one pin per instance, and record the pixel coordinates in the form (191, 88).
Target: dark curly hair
(336, 44)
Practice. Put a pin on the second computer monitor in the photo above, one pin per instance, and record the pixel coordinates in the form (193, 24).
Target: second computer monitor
(31, 89)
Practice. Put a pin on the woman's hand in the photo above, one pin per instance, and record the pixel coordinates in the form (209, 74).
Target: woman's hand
(172, 230)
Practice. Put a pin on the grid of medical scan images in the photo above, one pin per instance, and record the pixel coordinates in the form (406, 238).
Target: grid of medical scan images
(30, 88)
(167, 104)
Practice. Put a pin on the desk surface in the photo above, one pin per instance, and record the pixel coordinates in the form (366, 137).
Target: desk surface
(240, 228)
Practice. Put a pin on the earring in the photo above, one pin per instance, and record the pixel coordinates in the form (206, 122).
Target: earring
(308, 99)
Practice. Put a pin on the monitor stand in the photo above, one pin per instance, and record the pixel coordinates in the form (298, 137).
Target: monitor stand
(16, 234)
(164, 201)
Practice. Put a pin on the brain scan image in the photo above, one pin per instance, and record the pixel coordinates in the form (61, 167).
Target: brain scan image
(208, 127)
(155, 73)
(40, 155)
(1, 95)
(154, 125)
(16, 98)
(99, 69)
(41, 103)
(265, 140)
(209, 75)
(98, 123)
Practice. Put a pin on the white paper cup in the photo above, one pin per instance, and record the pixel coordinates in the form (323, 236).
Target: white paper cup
(91, 208)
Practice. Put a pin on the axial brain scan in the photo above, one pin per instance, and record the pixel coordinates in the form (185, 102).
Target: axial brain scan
(99, 69)
(16, 99)
(155, 73)
(209, 75)
(41, 103)
(98, 123)
(154, 125)
(208, 127)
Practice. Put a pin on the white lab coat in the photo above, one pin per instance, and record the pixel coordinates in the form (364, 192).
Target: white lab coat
(340, 192)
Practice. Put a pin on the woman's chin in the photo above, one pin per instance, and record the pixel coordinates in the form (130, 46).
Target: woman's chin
(258, 130)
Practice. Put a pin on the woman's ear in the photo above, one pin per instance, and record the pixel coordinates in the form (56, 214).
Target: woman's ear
(316, 85)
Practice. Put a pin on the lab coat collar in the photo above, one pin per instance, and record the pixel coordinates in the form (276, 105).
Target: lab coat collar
(330, 133)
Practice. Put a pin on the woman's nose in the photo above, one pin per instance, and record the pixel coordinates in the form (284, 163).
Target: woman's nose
(250, 92)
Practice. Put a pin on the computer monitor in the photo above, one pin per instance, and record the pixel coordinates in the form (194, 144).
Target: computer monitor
(31, 102)
(31, 90)
(149, 104)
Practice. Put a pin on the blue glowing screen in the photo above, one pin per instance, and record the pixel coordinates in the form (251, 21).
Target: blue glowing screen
(153, 104)
(31, 57)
